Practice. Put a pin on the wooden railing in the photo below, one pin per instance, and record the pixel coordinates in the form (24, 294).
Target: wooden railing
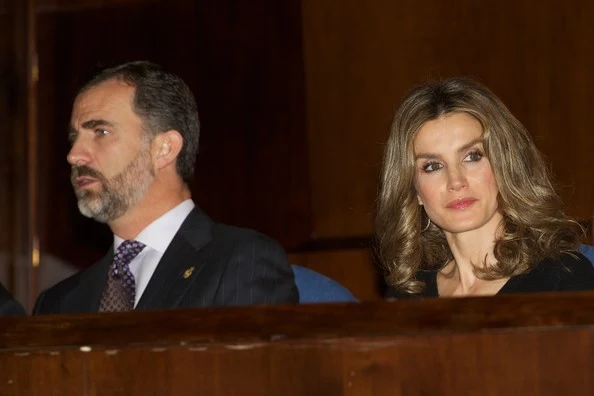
(524, 345)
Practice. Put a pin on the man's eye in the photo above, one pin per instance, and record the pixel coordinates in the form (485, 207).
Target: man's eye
(101, 132)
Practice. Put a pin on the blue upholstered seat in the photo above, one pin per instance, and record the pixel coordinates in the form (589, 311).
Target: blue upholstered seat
(588, 251)
(317, 288)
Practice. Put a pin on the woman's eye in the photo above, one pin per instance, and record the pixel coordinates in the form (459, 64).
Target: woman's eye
(431, 166)
(474, 156)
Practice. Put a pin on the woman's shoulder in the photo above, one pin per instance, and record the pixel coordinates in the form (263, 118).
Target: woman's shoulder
(426, 276)
(572, 261)
(568, 271)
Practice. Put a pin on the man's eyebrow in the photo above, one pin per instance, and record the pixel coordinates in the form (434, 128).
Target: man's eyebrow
(92, 124)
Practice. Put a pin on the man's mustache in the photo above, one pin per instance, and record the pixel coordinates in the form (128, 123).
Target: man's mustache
(83, 170)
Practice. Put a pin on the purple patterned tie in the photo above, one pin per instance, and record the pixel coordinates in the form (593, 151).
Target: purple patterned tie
(120, 290)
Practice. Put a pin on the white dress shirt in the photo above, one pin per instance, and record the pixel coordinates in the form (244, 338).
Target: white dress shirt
(156, 237)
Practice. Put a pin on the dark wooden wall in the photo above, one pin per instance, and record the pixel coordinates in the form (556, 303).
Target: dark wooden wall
(296, 99)
(17, 118)
(5, 159)
(361, 57)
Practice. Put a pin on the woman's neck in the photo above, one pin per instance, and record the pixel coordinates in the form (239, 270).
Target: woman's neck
(470, 250)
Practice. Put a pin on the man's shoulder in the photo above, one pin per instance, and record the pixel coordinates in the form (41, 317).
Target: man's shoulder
(52, 296)
(224, 242)
(238, 237)
(8, 305)
(239, 233)
(64, 285)
(238, 266)
(199, 223)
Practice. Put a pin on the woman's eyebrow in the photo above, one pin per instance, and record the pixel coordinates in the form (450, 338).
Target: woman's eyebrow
(464, 147)
(470, 144)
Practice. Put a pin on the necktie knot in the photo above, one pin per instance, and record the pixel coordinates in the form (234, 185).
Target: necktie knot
(124, 254)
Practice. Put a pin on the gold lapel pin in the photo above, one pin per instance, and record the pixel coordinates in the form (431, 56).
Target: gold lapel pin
(188, 272)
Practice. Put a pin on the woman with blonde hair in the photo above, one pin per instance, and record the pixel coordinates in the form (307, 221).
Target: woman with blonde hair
(467, 206)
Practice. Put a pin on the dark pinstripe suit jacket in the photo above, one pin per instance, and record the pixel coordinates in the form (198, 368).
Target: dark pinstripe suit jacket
(8, 306)
(206, 264)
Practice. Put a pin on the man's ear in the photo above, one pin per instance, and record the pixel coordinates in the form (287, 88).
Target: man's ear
(166, 147)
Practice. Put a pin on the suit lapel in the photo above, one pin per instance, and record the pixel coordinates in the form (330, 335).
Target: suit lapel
(87, 296)
(179, 265)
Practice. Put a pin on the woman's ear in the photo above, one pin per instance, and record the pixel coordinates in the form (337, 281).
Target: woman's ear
(166, 148)
(419, 200)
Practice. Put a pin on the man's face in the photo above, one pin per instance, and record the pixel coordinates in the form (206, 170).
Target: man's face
(110, 156)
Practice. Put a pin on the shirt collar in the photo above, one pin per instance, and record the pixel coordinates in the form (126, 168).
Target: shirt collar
(159, 234)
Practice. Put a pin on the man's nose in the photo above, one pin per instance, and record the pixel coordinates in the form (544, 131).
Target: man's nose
(79, 154)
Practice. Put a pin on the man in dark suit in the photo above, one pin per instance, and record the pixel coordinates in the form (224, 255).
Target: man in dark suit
(8, 306)
(134, 133)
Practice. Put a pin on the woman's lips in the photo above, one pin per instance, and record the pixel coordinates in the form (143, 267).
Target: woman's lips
(461, 203)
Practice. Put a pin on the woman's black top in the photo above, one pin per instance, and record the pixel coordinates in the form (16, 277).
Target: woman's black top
(569, 272)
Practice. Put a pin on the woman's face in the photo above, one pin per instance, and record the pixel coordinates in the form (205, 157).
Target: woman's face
(453, 177)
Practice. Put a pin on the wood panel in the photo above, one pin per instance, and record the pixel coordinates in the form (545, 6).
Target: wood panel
(361, 58)
(5, 119)
(18, 164)
(297, 322)
(244, 63)
(554, 362)
(9, 84)
(537, 344)
(70, 5)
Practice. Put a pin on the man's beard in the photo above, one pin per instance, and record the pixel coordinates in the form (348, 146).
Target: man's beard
(119, 193)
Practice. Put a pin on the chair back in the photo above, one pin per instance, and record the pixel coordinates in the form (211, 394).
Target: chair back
(317, 288)
(588, 251)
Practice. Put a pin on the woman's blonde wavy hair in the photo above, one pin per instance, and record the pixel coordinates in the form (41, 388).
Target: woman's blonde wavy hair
(534, 223)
